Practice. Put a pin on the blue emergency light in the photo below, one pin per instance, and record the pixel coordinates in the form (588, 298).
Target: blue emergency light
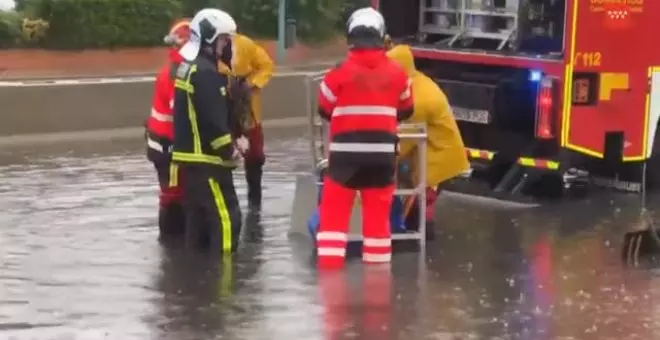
(535, 76)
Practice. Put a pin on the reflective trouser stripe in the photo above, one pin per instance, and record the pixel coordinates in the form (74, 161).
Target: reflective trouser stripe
(226, 288)
(377, 249)
(174, 175)
(331, 236)
(371, 257)
(332, 243)
(332, 251)
(378, 242)
(225, 219)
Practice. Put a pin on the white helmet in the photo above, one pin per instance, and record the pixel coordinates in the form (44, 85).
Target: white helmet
(367, 17)
(206, 26)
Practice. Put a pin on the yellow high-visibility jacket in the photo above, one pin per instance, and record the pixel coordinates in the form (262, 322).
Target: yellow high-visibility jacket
(446, 156)
(251, 61)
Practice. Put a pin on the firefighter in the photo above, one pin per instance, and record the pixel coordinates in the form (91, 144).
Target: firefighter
(364, 98)
(446, 156)
(250, 68)
(203, 144)
(160, 133)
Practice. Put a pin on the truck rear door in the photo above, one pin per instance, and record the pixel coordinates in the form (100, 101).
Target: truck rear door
(606, 101)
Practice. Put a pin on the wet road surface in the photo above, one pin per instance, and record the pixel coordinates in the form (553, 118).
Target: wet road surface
(79, 259)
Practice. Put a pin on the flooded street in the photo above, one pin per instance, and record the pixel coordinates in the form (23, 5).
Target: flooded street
(79, 259)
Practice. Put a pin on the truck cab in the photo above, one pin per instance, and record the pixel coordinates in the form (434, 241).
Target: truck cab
(544, 91)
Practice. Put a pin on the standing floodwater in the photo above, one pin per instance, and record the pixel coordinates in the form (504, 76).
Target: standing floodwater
(79, 259)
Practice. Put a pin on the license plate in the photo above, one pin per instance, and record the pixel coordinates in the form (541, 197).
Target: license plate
(471, 115)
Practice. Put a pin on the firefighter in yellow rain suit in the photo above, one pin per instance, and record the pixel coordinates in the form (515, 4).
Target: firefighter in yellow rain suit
(446, 156)
(250, 69)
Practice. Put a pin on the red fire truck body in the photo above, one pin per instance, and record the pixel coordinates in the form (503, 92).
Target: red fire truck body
(589, 100)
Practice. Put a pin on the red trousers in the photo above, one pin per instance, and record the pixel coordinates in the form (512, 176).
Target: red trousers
(336, 209)
(255, 153)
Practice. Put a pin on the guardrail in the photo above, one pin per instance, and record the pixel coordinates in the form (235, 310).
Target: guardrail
(70, 105)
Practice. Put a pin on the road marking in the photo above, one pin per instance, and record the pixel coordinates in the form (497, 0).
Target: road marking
(127, 80)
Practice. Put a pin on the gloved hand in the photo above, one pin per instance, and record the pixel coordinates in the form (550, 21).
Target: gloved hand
(242, 144)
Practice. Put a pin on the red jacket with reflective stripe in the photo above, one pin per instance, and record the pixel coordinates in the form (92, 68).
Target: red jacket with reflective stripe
(160, 121)
(364, 98)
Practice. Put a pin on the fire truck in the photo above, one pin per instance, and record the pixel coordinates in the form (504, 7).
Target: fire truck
(549, 95)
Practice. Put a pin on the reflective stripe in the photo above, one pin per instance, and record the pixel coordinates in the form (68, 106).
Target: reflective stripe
(221, 141)
(161, 117)
(185, 85)
(365, 111)
(377, 242)
(226, 287)
(331, 251)
(331, 236)
(192, 114)
(152, 144)
(407, 93)
(370, 257)
(174, 175)
(327, 93)
(223, 213)
(362, 147)
(201, 158)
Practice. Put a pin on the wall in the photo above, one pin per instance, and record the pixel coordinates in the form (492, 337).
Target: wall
(47, 109)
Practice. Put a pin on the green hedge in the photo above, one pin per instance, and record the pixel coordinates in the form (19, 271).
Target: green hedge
(76, 24)
(10, 29)
(105, 23)
(316, 20)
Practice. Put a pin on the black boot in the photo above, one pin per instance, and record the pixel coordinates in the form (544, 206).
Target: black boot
(253, 231)
(253, 175)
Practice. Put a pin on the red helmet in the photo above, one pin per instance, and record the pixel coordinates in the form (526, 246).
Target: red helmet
(179, 33)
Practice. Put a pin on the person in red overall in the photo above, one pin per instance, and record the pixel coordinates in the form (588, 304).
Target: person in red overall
(160, 134)
(364, 98)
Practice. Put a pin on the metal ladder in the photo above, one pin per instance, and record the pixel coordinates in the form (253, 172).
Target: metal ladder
(319, 146)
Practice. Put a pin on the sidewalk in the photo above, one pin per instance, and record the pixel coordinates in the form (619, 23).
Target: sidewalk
(34, 64)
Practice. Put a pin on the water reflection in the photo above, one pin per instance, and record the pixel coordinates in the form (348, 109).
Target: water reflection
(79, 257)
(196, 289)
